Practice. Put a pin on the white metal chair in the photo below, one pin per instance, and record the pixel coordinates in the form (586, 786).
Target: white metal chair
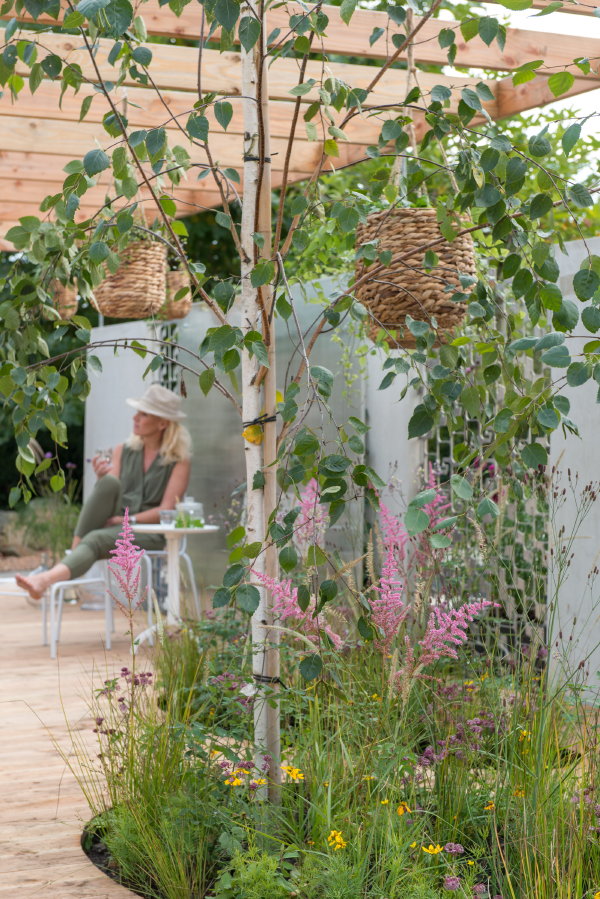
(53, 600)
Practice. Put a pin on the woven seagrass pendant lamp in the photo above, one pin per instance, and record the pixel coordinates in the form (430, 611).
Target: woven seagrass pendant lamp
(138, 288)
(406, 287)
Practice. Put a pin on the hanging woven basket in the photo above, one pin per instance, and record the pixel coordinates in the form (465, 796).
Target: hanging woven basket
(138, 288)
(407, 288)
(176, 281)
(64, 298)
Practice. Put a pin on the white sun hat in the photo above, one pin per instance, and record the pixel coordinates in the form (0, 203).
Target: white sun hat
(159, 401)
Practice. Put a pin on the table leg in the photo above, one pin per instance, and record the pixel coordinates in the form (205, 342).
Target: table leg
(173, 616)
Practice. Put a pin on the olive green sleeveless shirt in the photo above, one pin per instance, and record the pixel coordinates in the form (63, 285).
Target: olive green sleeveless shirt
(142, 490)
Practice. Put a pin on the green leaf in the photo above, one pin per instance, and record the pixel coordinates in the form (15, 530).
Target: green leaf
(578, 373)
(570, 137)
(249, 32)
(99, 251)
(311, 666)
(197, 127)
(561, 82)
(262, 273)
(247, 598)
(440, 93)
(233, 575)
(116, 17)
(534, 455)
(415, 521)
(539, 145)
(590, 318)
(487, 506)
(547, 416)
(223, 113)
(557, 357)
(585, 284)
(315, 556)
(142, 55)
(57, 482)
(288, 558)
(423, 498)
(258, 480)
(540, 206)
(347, 10)
(221, 597)
(581, 196)
(207, 379)
(95, 161)
(516, 4)
(440, 541)
(226, 13)
(461, 487)
(488, 29)
(324, 379)
(421, 422)
(565, 318)
(328, 590)
(91, 8)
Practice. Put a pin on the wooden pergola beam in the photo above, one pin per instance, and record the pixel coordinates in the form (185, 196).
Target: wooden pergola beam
(144, 109)
(511, 99)
(353, 40)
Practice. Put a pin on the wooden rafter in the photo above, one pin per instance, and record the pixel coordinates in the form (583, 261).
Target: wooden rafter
(37, 137)
(354, 40)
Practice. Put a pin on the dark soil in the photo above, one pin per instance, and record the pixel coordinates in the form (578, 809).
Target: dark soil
(94, 847)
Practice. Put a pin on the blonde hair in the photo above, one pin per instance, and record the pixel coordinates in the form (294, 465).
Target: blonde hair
(176, 444)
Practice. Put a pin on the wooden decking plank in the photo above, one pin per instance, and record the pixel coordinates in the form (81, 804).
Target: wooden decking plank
(43, 701)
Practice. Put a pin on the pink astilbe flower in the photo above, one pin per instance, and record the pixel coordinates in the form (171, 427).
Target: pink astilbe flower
(312, 521)
(387, 610)
(125, 568)
(285, 606)
(447, 629)
(392, 531)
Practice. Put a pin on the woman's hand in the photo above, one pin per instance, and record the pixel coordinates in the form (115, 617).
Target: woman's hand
(101, 465)
(116, 519)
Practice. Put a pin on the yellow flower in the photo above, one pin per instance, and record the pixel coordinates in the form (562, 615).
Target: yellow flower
(524, 735)
(368, 777)
(520, 792)
(431, 849)
(260, 781)
(412, 845)
(490, 806)
(470, 862)
(325, 783)
(402, 808)
(597, 895)
(234, 781)
(484, 677)
(376, 697)
(385, 802)
(294, 774)
(336, 840)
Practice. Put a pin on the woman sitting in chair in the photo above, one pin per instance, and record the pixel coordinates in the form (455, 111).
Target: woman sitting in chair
(146, 474)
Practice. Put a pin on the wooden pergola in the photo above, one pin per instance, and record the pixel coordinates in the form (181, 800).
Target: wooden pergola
(38, 138)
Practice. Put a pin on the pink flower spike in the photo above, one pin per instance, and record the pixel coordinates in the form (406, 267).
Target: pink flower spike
(125, 567)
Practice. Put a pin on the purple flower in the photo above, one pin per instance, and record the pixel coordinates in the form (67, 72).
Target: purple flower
(451, 883)
(454, 848)
(48, 455)
(480, 889)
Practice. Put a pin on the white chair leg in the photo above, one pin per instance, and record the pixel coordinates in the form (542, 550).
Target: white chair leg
(149, 597)
(192, 580)
(45, 601)
(56, 604)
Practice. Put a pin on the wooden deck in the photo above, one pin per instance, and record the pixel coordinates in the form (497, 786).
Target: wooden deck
(42, 809)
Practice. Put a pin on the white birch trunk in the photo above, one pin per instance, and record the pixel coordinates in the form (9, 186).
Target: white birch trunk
(258, 395)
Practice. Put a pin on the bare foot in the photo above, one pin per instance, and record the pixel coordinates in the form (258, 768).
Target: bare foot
(35, 585)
